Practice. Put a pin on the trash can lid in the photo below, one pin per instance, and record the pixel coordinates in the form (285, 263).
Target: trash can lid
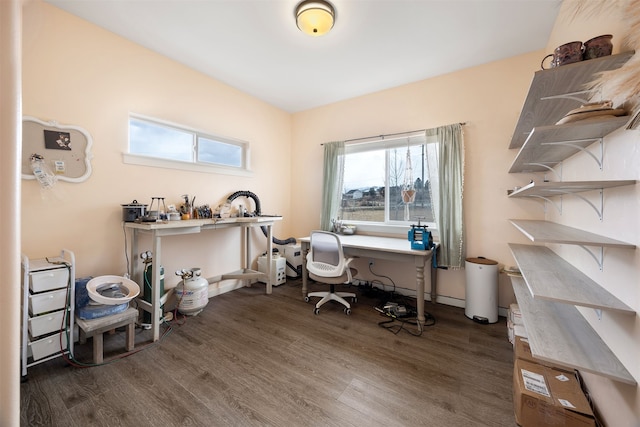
(482, 260)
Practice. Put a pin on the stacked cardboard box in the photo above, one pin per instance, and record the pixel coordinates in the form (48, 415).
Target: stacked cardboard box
(546, 395)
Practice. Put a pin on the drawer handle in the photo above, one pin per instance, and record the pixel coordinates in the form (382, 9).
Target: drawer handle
(50, 296)
(50, 318)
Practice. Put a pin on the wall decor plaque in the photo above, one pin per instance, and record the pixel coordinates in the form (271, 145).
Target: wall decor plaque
(66, 149)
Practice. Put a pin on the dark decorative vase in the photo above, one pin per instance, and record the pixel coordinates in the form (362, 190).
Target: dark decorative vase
(598, 47)
(567, 53)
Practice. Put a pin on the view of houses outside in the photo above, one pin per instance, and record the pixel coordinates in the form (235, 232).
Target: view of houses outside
(368, 204)
(363, 197)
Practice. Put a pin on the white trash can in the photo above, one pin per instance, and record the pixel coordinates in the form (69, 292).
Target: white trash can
(481, 299)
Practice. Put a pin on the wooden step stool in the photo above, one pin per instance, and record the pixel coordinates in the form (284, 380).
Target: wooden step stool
(96, 327)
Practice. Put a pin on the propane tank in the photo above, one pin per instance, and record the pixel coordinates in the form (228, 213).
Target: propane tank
(192, 292)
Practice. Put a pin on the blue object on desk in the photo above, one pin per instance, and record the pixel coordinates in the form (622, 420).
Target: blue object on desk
(420, 237)
(422, 240)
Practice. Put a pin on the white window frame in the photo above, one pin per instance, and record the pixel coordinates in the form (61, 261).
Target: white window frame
(194, 165)
(393, 227)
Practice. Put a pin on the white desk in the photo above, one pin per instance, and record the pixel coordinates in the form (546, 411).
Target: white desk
(388, 248)
(158, 230)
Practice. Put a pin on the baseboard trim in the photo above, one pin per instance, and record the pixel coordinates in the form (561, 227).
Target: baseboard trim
(219, 288)
(455, 302)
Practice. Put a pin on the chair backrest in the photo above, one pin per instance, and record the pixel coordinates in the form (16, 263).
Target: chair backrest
(326, 258)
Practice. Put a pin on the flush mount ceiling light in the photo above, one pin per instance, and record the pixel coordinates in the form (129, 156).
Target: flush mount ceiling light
(315, 17)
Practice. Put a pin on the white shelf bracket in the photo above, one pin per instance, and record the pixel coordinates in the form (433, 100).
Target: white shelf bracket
(571, 95)
(546, 166)
(600, 261)
(598, 211)
(584, 150)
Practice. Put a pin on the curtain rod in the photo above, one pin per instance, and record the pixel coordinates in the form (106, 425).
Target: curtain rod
(391, 134)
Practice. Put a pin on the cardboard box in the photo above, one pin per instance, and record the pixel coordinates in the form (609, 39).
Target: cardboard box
(522, 350)
(544, 396)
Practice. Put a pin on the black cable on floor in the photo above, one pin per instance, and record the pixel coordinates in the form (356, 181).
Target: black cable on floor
(396, 324)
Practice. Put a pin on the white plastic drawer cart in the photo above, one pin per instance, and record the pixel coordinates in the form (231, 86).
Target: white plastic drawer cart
(48, 300)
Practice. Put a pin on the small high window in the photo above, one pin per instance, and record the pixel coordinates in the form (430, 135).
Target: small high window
(156, 143)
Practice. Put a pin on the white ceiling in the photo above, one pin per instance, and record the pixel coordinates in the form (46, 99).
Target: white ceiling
(255, 46)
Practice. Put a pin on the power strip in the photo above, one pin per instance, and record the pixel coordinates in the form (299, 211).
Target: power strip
(393, 310)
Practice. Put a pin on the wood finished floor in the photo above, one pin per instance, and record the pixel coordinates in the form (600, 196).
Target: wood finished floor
(251, 359)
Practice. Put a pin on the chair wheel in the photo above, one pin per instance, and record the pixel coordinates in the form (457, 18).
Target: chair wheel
(316, 310)
(307, 299)
(347, 311)
(354, 299)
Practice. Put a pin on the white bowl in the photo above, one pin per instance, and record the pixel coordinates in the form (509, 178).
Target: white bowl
(348, 229)
(112, 290)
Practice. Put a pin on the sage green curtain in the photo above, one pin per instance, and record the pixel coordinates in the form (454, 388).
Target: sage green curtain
(450, 186)
(332, 182)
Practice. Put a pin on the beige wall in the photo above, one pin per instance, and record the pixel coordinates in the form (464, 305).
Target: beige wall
(88, 77)
(488, 98)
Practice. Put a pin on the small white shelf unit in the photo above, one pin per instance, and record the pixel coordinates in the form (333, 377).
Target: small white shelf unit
(48, 301)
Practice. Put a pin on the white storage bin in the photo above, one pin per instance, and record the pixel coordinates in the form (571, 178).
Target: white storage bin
(481, 297)
(46, 323)
(47, 301)
(48, 345)
(49, 279)
(293, 256)
(278, 266)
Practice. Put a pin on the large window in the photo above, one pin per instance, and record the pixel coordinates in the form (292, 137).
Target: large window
(377, 172)
(156, 143)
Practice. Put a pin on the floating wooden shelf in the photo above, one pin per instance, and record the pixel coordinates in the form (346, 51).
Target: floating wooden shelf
(546, 102)
(550, 189)
(550, 288)
(550, 232)
(559, 334)
(550, 277)
(547, 146)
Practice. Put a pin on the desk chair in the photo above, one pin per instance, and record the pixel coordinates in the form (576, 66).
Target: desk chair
(326, 264)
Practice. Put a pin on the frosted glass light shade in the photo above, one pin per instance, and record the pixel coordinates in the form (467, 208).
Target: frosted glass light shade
(315, 17)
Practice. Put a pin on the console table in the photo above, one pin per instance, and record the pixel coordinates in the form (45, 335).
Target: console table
(388, 248)
(158, 230)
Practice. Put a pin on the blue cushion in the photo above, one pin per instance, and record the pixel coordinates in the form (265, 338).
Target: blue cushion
(86, 309)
